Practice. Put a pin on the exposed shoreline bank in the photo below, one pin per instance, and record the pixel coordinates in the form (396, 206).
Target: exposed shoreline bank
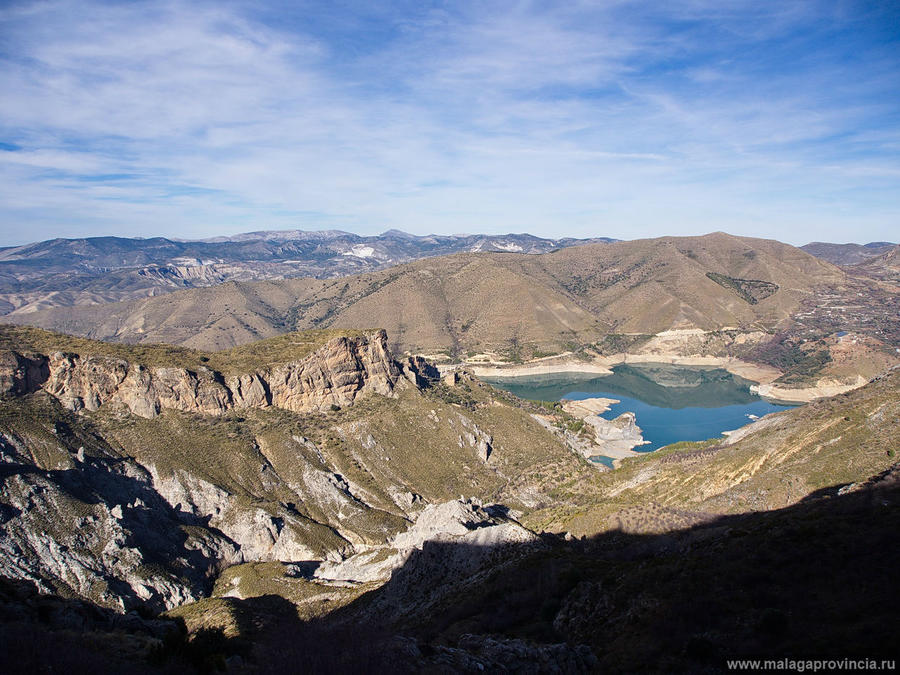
(763, 376)
(823, 389)
(759, 374)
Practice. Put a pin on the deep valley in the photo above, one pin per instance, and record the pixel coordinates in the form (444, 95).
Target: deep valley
(305, 488)
(449, 337)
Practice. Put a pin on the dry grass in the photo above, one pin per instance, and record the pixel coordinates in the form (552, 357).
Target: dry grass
(506, 303)
(829, 443)
(242, 359)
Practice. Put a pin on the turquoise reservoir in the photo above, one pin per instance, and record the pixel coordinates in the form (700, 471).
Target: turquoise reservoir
(670, 403)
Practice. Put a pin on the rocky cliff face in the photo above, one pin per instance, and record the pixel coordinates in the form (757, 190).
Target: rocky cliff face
(131, 481)
(336, 374)
(20, 374)
(466, 523)
(80, 516)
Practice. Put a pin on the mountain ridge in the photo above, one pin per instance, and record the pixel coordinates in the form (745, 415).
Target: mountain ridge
(160, 471)
(73, 272)
(442, 512)
(473, 301)
(847, 254)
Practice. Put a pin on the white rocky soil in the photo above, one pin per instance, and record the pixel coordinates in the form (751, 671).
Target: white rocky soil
(466, 523)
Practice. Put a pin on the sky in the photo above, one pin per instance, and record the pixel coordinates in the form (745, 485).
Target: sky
(777, 119)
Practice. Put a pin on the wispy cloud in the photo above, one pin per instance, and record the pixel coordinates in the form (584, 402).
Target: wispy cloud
(616, 118)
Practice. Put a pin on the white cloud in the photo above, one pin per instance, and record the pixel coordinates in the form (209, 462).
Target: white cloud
(590, 120)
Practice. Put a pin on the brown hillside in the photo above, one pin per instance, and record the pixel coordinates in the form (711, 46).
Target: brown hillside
(885, 267)
(472, 302)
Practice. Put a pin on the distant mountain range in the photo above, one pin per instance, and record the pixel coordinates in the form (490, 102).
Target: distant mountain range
(885, 267)
(847, 254)
(724, 296)
(97, 270)
(501, 302)
(67, 272)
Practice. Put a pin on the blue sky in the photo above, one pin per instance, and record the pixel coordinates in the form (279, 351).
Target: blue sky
(625, 119)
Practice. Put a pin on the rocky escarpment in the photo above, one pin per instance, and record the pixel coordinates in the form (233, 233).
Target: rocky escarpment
(81, 516)
(466, 523)
(131, 476)
(20, 374)
(334, 375)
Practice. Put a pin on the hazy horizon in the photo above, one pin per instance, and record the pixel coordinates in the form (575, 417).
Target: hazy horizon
(384, 232)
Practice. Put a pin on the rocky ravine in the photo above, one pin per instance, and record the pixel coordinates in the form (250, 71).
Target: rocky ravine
(84, 513)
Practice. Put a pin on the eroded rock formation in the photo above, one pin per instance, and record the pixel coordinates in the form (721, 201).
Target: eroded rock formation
(80, 518)
(336, 374)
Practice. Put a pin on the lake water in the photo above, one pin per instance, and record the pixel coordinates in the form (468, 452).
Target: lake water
(671, 403)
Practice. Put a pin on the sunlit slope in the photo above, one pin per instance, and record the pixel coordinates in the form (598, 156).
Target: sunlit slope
(471, 302)
(653, 285)
(284, 475)
(494, 301)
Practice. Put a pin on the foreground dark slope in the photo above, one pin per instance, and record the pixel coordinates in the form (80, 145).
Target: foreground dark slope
(500, 302)
(811, 581)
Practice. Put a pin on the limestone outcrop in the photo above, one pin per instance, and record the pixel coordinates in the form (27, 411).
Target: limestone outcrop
(335, 374)
(80, 518)
(462, 525)
(137, 507)
(622, 428)
(259, 534)
(20, 374)
(475, 438)
(100, 531)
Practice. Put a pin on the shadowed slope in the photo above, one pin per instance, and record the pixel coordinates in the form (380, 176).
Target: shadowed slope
(812, 581)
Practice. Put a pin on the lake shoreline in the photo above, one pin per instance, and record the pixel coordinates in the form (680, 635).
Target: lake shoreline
(762, 376)
(634, 411)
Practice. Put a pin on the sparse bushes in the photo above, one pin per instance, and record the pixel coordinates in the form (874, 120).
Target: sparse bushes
(454, 395)
(789, 356)
(538, 353)
(749, 290)
(617, 343)
(575, 426)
